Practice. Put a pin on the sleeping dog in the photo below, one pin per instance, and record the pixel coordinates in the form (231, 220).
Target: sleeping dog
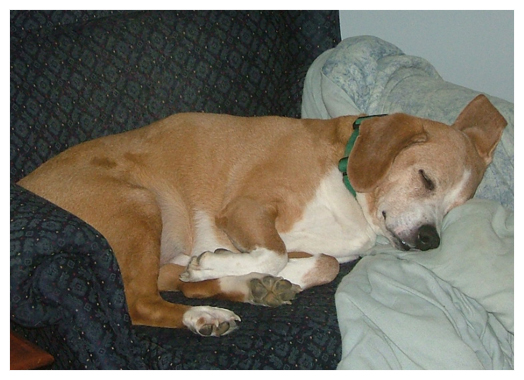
(258, 209)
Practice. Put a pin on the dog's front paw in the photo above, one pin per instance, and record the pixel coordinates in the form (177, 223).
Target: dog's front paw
(210, 321)
(272, 291)
(195, 271)
(207, 265)
(221, 263)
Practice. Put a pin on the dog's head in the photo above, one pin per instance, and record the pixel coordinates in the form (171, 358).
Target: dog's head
(409, 172)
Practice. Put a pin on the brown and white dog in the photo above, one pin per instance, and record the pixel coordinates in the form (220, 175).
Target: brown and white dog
(255, 209)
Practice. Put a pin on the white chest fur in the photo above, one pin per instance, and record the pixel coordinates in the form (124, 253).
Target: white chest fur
(332, 223)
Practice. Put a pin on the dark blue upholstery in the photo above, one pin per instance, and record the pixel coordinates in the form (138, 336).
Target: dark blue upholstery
(77, 75)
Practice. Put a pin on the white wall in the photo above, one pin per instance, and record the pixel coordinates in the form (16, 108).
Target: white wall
(469, 48)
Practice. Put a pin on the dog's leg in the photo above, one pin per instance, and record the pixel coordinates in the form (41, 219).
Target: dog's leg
(254, 288)
(130, 219)
(250, 226)
(307, 270)
(303, 271)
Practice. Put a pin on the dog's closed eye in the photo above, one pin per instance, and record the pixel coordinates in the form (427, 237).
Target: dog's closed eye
(428, 183)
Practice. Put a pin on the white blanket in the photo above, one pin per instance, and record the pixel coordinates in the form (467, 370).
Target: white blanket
(449, 308)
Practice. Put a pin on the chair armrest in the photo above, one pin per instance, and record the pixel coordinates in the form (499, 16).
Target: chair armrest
(64, 273)
(51, 250)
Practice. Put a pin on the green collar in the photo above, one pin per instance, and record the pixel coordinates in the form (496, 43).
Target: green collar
(343, 163)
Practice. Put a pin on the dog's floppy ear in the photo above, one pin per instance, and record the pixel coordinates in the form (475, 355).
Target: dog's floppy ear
(483, 124)
(380, 140)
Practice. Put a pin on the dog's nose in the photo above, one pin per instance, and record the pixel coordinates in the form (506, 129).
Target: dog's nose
(427, 238)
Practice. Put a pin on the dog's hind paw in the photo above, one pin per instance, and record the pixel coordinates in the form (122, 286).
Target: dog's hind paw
(210, 321)
(272, 291)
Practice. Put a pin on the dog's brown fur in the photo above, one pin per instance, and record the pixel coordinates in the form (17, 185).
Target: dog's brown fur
(253, 178)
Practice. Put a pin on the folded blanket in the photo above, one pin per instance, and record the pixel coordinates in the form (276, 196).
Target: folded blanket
(449, 308)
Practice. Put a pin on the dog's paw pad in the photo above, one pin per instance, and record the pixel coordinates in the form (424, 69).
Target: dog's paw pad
(272, 291)
(210, 321)
(214, 330)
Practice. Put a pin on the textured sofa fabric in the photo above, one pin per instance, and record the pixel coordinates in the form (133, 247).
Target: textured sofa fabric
(78, 75)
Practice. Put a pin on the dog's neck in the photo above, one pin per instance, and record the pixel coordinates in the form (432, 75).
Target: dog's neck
(343, 163)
